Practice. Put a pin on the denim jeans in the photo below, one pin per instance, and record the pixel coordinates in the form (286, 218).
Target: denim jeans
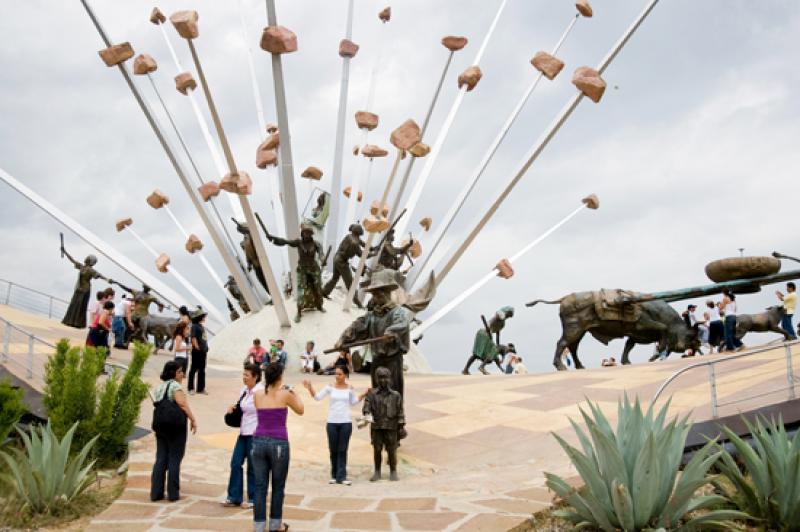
(241, 452)
(731, 342)
(169, 454)
(786, 325)
(119, 328)
(338, 440)
(198, 366)
(269, 456)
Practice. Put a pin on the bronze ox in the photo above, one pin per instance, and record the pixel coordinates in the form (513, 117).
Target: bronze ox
(606, 316)
(161, 328)
(770, 320)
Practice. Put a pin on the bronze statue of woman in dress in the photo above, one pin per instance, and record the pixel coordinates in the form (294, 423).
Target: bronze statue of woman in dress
(76, 312)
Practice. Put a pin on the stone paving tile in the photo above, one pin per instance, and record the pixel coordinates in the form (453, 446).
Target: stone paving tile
(194, 523)
(138, 481)
(514, 506)
(407, 503)
(140, 466)
(533, 494)
(203, 490)
(490, 523)
(206, 508)
(129, 511)
(117, 527)
(338, 503)
(139, 495)
(428, 520)
(361, 521)
(302, 514)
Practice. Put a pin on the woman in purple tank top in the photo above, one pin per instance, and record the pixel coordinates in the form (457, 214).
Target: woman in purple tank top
(270, 453)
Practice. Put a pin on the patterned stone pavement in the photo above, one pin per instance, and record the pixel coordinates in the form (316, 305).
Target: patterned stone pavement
(474, 458)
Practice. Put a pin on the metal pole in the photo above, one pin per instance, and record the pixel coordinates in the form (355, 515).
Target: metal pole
(8, 293)
(50, 307)
(712, 383)
(291, 217)
(6, 341)
(430, 159)
(789, 370)
(233, 268)
(444, 225)
(30, 356)
(540, 145)
(261, 252)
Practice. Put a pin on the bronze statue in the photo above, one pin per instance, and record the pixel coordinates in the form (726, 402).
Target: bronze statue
(233, 290)
(387, 323)
(140, 311)
(250, 254)
(309, 272)
(76, 312)
(234, 315)
(351, 246)
(383, 406)
(486, 349)
(767, 321)
(391, 256)
(319, 215)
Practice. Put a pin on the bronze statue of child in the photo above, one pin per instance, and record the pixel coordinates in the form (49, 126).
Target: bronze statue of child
(384, 407)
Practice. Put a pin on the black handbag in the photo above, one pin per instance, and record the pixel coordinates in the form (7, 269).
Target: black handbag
(234, 419)
(168, 417)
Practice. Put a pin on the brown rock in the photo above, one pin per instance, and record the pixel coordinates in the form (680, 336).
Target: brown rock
(359, 196)
(356, 149)
(454, 43)
(144, 64)
(193, 244)
(208, 190)
(371, 150)
(312, 172)
(415, 250)
(266, 158)
(377, 209)
(470, 77)
(237, 183)
(347, 191)
(272, 142)
(272, 128)
(157, 199)
(162, 262)
(504, 269)
(589, 82)
(185, 23)
(584, 8)
(366, 120)
(375, 224)
(157, 17)
(547, 64)
(386, 14)
(184, 82)
(734, 268)
(406, 135)
(591, 201)
(278, 40)
(347, 48)
(123, 223)
(426, 223)
(116, 54)
(419, 149)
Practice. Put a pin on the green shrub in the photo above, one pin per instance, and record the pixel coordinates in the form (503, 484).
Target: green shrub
(11, 408)
(632, 476)
(769, 489)
(44, 476)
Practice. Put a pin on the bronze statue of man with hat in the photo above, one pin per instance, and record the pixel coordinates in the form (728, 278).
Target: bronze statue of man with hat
(350, 246)
(309, 271)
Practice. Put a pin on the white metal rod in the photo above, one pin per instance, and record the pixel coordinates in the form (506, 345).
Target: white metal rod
(540, 145)
(430, 159)
(462, 296)
(233, 268)
(444, 225)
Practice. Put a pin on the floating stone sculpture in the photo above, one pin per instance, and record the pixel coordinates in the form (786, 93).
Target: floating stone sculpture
(584, 8)
(734, 268)
(272, 128)
(278, 40)
(504, 269)
(547, 64)
(157, 199)
(379, 210)
(185, 23)
(366, 120)
(123, 223)
(237, 183)
(157, 17)
(371, 150)
(193, 244)
(348, 48)
(162, 262)
(185, 82)
(312, 172)
(375, 224)
(406, 135)
(420, 149)
(359, 196)
(347, 191)
(386, 14)
(116, 54)
(272, 142)
(266, 158)
(454, 43)
(589, 82)
(208, 190)
(426, 223)
(470, 77)
(144, 64)
(592, 201)
(414, 249)
(356, 149)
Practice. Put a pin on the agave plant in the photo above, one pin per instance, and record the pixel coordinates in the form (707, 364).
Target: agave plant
(44, 474)
(771, 491)
(632, 476)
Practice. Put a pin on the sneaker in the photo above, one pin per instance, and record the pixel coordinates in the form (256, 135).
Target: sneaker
(346, 482)
(230, 504)
(332, 481)
(246, 505)
(191, 392)
(204, 392)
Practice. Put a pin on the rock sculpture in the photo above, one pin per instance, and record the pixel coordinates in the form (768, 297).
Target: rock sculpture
(266, 158)
(193, 244)
(272, 128)
(162, 261)
(547, 64)
(144, 64)
(375, 224)
(470, 77)
(239, 183)
(366, 120)
(504, 269)
(426, 223)
(116, 54)
(419, 149)
(584, 8)
(371, 150)
(185, 23)
(208, 190)
(589, 82)
(406, 135)
(348, 48)
(184, 82)
(386, 14)
(312, 172)
(157, 17)
(278, 40)
(454, 43)
(123, 223)
(157, 199)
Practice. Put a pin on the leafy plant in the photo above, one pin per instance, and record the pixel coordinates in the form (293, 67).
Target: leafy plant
(771, 489)
(11, 408)
(44, 475)
(632, 476)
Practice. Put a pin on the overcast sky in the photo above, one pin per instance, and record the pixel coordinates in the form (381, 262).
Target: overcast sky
(692, 151)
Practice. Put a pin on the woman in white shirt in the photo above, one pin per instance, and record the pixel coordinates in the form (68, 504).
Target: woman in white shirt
(728, 307)
(340, 422)
(180, 349)
(244, 443)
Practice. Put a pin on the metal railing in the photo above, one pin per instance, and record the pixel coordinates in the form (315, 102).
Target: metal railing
(31, 300)
(24, 358)
(712, 376)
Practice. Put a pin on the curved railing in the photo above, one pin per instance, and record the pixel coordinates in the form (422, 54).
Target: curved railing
(31, 300)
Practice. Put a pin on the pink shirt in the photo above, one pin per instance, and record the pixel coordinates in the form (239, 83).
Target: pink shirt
(249, 415)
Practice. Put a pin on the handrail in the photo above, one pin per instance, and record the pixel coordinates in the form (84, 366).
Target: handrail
(31, 300)
(26, 333)
(712, 379)
(54, 298)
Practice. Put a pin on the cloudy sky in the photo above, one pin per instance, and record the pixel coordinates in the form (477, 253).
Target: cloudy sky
(692, 151)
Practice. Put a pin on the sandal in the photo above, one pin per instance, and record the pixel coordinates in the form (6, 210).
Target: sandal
(284, 529)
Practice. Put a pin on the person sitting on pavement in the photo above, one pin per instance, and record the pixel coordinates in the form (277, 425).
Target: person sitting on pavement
(255, 355)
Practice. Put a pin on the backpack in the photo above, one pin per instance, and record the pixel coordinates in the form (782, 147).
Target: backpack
(168, 417)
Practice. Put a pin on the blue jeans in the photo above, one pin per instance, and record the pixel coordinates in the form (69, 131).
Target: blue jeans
(241, 452)
(338, 440)
(119, 328)
(270, 456)
(786, 325)
(731, 342)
